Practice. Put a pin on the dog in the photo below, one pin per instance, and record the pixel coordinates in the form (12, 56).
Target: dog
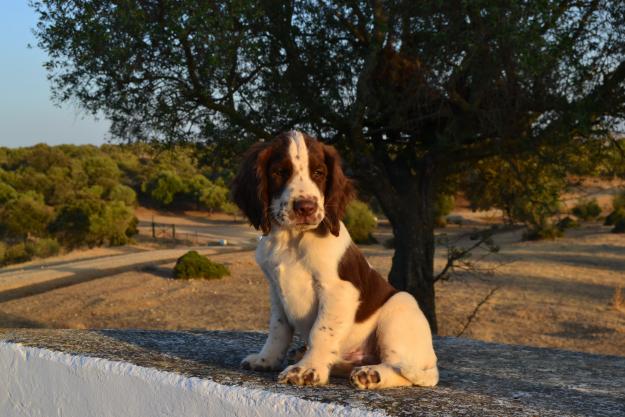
(354, 322)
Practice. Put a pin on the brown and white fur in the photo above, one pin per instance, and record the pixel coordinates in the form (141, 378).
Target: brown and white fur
(354, 322)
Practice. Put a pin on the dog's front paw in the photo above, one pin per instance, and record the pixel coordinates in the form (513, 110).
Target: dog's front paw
(256, 362)
(303, 375)
(365, 377)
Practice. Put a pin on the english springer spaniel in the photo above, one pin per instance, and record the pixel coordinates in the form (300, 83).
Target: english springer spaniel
(354, 322)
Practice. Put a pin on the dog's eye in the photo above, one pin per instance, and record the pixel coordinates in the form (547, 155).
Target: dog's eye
(318, 173)
(280, 173)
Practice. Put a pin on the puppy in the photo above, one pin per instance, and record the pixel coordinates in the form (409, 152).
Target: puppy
(354, 322)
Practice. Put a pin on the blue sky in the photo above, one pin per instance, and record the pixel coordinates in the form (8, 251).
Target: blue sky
(27, 114)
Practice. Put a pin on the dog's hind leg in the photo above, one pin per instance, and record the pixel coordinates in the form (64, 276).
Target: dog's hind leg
(405, 345)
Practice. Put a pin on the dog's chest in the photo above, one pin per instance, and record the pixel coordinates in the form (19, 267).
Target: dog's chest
(296, 288)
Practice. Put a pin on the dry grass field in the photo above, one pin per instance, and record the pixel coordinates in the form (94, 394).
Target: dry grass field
(563, 293)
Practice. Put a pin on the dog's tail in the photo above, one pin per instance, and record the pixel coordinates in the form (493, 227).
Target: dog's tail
(422, 377)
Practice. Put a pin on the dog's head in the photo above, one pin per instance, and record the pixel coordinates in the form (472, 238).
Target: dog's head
(294, 182)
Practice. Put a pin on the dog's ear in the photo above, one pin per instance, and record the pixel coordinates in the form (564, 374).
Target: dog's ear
(339, 190)
(250, 188)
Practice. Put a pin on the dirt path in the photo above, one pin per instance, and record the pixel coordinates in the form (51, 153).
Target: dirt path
(37, 279)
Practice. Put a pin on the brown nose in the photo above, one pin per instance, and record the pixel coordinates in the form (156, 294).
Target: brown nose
(304, 207)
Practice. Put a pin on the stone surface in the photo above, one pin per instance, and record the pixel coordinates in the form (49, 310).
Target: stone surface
(477, 378)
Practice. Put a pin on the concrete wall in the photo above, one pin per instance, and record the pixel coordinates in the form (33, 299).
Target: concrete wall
(41, 382)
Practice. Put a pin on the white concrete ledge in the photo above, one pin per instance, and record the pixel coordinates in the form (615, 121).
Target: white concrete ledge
(41, 382)
(131, 373)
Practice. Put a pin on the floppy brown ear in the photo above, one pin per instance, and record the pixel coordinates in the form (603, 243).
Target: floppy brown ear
(250, 188)
(339, 190)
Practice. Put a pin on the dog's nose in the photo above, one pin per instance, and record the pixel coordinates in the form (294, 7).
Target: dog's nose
(304, 207)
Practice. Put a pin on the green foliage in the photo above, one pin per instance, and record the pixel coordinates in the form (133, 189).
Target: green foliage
(44, 248)
(111, 224)
(615, 216)
(7, 193)
(214, 197)
(587, 210)
(543, 233)
(526, 190)
(360, 222)
(71, 224)
(26, 215)
(17, 253)
(193, 265)
(443, 206)
(123, 193)
(85, 195)
(101, 170)
(163, 187)
(567, 223)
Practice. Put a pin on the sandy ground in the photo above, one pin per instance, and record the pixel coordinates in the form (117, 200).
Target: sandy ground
(552, 294)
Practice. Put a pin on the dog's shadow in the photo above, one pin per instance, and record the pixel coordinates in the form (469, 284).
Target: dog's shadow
(194, 353)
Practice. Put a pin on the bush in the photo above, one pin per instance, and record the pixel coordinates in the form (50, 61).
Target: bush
(122, 193)
(24, 216)
(567, 223)
(614, 217)
(547, 232)
(443, 205)
(193, 265)
(214, 196)
(587, 210)
(360, 222)
(71, 225)
(17, 253)
(44, 248)
(7, 193)
(163, 187)
(619, 227)
(3, 250)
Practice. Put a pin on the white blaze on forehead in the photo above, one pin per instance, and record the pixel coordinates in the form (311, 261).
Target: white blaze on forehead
(301, 184)
(299, 153)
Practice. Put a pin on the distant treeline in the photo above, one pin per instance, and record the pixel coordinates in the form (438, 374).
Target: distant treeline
(67, 196)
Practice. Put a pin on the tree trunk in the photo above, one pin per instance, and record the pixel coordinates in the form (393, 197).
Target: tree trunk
(407, 198)
(413, 260)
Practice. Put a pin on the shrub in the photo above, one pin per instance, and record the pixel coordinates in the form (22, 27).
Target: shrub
(547, 232)
(214, 196)
(615, 216)
(193, 265)
(44, 248)
(7, 193)
(360, 222)
(25, 215)
(619, 227)
(3, 250)
(71, 225)
(567, 223)
(587, 210)
(111, 224)
(17, 253)
(443, 205)
(122, 193)
(164, 186)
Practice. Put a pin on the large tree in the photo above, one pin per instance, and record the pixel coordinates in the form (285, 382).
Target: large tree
(411, 91)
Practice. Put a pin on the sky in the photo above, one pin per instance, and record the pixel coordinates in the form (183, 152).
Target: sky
(27, 114)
